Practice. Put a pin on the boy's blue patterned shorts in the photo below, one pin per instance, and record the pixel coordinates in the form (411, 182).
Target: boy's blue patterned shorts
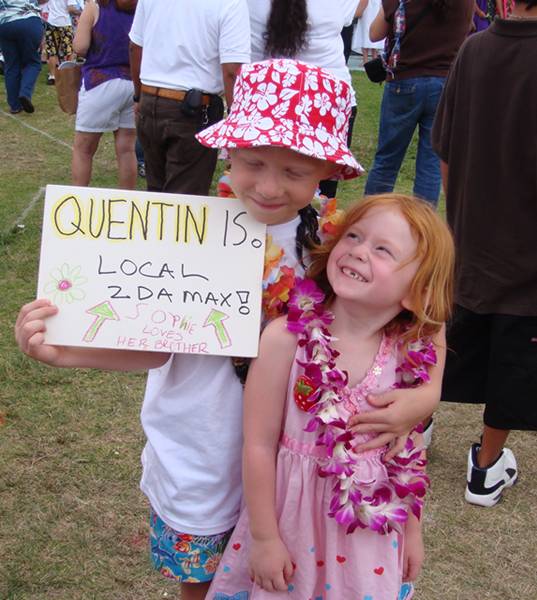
(182, 556)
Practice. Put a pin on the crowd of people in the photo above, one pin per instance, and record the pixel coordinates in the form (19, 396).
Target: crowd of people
(338, 405)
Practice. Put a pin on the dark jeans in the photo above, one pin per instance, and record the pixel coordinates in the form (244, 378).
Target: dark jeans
(19, 42)
(407, 104)
(174, 160)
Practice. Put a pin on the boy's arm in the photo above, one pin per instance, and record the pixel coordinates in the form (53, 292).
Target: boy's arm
(82, 39)
(402, 409)
(264, 401)
(30, 335)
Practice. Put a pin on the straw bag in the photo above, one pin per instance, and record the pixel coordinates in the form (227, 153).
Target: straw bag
(67, 82)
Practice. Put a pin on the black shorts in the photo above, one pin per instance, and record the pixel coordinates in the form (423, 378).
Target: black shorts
(492, 359)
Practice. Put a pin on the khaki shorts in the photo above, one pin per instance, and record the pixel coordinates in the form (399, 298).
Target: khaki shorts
(106, 107)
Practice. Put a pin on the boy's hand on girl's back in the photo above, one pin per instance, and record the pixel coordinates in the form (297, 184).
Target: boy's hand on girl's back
(270, 565)
(30, 332)
(396, 414)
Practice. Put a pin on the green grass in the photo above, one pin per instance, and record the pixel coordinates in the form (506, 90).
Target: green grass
(73, 524)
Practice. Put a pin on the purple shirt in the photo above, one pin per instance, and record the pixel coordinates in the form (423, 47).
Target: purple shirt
(108, 54)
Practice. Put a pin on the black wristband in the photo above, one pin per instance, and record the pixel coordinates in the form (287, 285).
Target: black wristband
(136, 98)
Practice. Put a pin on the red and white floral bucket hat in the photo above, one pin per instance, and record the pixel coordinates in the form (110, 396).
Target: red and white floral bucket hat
(290, 104)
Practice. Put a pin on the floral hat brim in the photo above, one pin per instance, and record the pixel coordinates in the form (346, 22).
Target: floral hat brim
(288, 104)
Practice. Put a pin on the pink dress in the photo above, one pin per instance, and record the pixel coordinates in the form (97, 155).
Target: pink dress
(329, 564)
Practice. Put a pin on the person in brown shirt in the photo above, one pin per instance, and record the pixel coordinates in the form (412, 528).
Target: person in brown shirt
(485, 133)
(418, 64)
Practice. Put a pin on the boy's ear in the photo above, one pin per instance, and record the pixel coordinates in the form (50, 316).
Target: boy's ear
(331, 170)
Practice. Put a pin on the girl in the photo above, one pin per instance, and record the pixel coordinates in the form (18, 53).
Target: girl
(284, 134)
(315, 506)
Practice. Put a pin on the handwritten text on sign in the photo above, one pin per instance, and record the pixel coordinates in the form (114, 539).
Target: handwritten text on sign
(150, 271)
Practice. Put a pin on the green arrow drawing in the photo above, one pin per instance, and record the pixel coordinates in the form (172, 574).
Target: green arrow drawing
(102, 312)
(216, 319)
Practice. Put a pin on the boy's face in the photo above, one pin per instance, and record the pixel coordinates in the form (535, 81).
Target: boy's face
(374, 263)
(275, 183)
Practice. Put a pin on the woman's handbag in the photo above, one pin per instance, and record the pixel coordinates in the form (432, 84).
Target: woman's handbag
(67, 84)
(375, 70)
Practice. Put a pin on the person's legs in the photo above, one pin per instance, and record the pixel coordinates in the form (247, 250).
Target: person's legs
(12, 64)
(84, 148)
(139, 151)
(182, 556)
(30, 59)
(427, 180)
(492, 443)
(65, 44)
(51, 48)
(53, 63)
(399, 114)
(125, 140)
(150, 135)
(194, 591)
(510, 392)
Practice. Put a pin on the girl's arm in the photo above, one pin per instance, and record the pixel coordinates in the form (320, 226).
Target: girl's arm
(30, 335)
(401, 410)
(264, 401)
(413, 550)
(88, 18)
(379, 27)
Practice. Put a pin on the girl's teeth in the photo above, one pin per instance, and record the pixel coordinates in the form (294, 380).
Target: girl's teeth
(350, 273)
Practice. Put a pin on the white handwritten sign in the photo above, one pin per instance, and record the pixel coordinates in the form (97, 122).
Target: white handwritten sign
(151, 271)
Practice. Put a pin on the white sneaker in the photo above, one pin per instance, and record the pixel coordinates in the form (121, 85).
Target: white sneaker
(485, 486)
(428, 434)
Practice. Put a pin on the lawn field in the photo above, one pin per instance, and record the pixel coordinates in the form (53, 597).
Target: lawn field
(73, 523)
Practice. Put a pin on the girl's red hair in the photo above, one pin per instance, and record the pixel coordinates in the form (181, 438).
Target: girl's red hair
(431, 290)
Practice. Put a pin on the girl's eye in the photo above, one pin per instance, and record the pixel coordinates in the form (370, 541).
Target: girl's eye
(385, 250)
(294, 174)
(352, 235)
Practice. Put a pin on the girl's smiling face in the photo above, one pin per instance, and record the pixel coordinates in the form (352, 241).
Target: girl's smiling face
(374, 261)
(275, 183)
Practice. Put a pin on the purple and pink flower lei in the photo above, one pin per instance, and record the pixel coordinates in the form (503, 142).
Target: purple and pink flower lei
(380, 506)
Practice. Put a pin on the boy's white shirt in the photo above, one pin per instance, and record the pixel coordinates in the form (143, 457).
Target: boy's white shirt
(192, 418)
(58, 15)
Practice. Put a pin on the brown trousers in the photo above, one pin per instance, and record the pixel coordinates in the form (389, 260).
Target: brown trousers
(174, 160)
